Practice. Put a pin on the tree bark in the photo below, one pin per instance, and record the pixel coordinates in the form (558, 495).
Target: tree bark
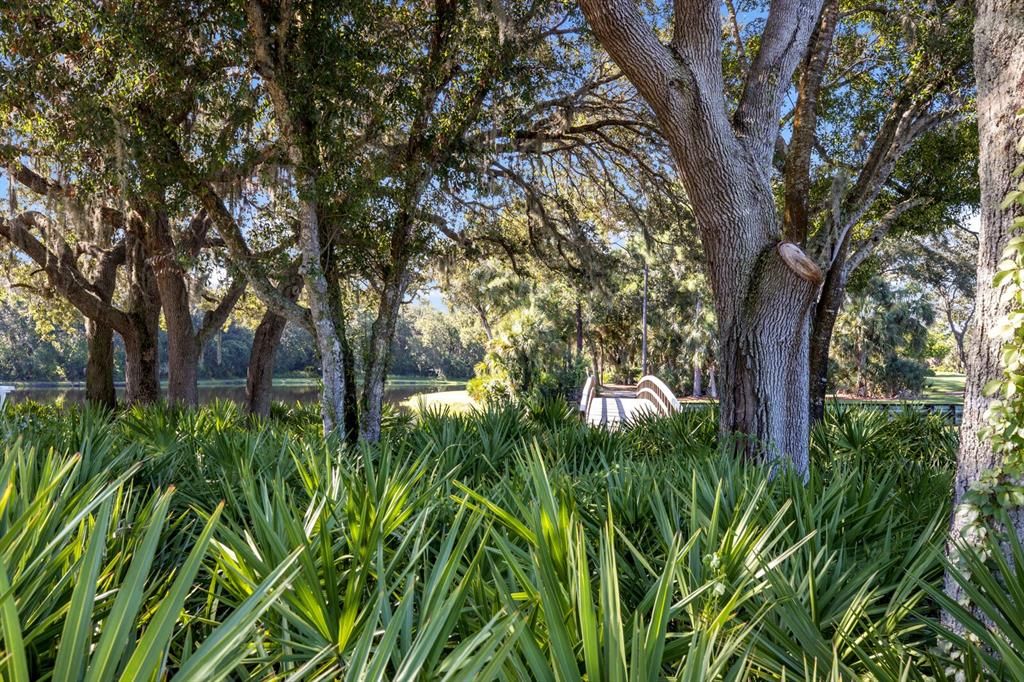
(182, 344)
(141, 338)
(382, 334)
(826, 312)
(999, 68)
(259, 378)
(141, 365)
(764, 367)
(99, 366)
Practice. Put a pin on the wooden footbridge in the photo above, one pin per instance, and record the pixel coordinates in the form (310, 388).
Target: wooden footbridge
(611, 405)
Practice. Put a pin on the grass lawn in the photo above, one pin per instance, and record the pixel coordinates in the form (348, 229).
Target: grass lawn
(944, 385)
(455, 401)
(942, 389)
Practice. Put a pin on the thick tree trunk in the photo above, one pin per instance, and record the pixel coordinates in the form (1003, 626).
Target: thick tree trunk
(763, 288)
(259, 378)
(999, 67)
(99, 367)
(142, 365)
(182, 344)
(763, 362)
(141, 342)
(182, 360)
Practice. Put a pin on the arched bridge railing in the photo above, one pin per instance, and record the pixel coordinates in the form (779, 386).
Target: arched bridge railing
(657, 392)
(589, 389)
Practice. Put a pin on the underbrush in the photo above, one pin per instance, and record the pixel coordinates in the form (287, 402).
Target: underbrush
(513, 543)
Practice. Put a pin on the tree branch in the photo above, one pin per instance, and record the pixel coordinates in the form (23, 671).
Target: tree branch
(797, 171)
(214, 319)
(61, 270)
(783, 44)
(863, 250)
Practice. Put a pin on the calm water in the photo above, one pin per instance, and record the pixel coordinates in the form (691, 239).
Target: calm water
(288, 394)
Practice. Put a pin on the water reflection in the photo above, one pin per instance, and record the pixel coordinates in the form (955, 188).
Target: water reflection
(288, 393)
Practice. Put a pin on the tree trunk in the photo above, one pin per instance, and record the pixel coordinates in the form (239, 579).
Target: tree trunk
(999, 68)
(142, 364)
(484, 322)
(713, 383)
(182, 344)
(259, 377)
(698, 389)
(862, 369)
(99, 367)
(763, 359)
(579, 329)
(957, 333)
(763, 287)
(351, 394)
(382, 335)
(826, 312)
(643, 326)
(330, 349)
(141, 342)
(182, 359)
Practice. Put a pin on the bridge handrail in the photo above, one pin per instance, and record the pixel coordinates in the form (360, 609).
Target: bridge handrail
(659, 394)
(587, 396)
(4, 390)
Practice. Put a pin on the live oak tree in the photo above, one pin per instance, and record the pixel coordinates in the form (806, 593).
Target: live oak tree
(85, 103)
(763, 286)
(874, 143)
(40, 237)
(718, 94)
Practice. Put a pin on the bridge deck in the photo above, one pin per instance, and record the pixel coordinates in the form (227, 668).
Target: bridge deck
(616, 404)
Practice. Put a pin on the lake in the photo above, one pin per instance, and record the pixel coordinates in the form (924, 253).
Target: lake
(287, 392)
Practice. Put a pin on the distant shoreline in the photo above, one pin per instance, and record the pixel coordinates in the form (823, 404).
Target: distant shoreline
(297, 382)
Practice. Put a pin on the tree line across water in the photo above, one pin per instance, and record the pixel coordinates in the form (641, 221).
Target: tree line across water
(429, 344)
